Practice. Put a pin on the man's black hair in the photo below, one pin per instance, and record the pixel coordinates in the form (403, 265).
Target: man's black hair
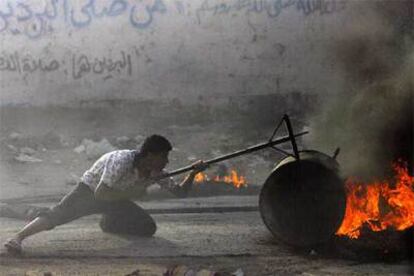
(155, 144)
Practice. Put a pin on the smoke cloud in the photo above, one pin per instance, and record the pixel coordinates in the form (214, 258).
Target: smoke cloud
(371, 117)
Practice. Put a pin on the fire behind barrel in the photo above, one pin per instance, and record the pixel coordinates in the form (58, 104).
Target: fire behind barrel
(303, 201)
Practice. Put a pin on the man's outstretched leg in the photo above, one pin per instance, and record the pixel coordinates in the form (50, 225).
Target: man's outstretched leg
(125, 217)
(39, 224)
(77, 203)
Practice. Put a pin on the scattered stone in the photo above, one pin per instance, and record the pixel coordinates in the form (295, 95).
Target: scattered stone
(191, 158)
(238, 272)
(94, 149)
(12, 148)
(27, 151)
(57, 162)
(313, 252)
(79, 149)
(97, 149)
(24, 158)
(15, 136)
(139, 139)
(125, 142)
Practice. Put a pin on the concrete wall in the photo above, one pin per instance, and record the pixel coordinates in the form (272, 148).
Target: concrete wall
(72, 51)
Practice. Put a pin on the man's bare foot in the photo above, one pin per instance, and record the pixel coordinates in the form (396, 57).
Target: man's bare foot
(13, 246)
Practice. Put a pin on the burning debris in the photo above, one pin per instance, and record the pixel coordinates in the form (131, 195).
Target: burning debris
(228, 182)
(380, 205)
(379, 219)
(232, 178)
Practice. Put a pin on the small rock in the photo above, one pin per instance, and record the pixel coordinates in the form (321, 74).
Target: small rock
(191, 158)
(313, 252)
(15, 136)
(139, 139)
(12, 148)
(24, 158)
(97, 149)
(238, 272)
(79, 149)
(27, 151)
(57, 162)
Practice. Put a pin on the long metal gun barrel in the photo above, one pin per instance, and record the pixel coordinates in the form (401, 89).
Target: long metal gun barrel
(237, 153)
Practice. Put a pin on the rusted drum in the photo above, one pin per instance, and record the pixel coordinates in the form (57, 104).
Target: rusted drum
(303, 201)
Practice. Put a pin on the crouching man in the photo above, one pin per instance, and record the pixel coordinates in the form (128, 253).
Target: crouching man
(108, 188)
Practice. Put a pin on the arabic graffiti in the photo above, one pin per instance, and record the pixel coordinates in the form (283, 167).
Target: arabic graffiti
(14, 62)
(36, 18)
(83, 65)
(271, 8)
(77, 66)
(20, 17)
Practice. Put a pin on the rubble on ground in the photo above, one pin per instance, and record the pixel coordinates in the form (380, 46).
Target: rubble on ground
(94, 149)
(124, 142)
(24, 158)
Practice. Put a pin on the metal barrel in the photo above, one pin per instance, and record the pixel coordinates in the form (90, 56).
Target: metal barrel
(303, 201)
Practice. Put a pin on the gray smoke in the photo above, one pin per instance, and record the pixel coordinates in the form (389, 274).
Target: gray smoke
(371, 118)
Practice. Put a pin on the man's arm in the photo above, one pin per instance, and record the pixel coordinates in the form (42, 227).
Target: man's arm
(182, 189)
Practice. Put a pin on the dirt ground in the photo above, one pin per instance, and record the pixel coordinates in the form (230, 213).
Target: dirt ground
(221, 242)
(262, 265)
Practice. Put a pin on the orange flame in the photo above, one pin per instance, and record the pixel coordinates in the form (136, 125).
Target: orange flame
(233, 178)
(379, 205)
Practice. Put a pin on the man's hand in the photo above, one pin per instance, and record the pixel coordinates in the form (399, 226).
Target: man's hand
(184, 187)
(198, 167)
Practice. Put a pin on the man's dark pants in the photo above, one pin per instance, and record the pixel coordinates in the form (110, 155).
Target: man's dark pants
(121, 217)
